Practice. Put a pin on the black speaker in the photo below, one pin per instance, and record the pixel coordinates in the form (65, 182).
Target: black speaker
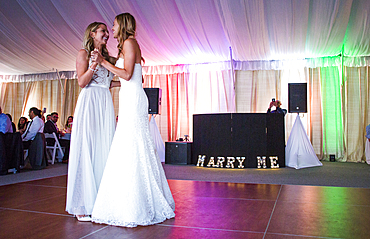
(297, 97)
(332, 157)
(178, 152)
(155, 100)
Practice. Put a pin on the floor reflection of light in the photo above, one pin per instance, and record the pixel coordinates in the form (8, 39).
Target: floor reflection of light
(321, 209)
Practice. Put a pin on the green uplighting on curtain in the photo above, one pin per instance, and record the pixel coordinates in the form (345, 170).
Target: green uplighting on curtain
(332, 111)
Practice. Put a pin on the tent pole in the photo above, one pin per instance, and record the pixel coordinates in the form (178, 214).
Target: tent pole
(232, 75)
(60, 81)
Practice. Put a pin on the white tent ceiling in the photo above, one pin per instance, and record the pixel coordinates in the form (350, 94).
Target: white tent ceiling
(38, 36)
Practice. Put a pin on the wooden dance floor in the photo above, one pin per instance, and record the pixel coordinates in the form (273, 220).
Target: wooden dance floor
(35, 209)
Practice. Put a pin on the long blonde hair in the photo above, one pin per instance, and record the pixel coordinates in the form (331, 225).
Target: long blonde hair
(127, 28)
(88, 42)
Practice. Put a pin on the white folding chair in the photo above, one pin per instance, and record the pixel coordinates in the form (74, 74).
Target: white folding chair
(54, 147)
(25, 155)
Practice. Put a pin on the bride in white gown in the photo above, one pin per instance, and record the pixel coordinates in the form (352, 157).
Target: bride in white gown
(93, 128)
(134, 190)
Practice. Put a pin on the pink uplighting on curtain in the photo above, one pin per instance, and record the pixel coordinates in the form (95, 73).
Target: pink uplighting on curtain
(183, 94)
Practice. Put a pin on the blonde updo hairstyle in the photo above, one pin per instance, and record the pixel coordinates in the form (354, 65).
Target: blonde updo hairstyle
(88, 42)
(127, 28)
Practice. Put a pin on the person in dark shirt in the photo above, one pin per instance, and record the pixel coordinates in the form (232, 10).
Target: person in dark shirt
(51, 127)
(13, 125)
(22, 124)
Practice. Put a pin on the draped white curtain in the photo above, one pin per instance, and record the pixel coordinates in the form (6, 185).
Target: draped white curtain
(337, 108)
(186, 45)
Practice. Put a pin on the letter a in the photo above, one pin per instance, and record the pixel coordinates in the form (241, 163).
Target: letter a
(211, 162)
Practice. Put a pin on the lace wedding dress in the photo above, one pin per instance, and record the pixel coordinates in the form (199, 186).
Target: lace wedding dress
(92, 134)
(134, 189)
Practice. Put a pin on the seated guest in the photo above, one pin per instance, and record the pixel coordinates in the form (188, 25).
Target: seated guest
(277, 104)
(367, 144)
(22, 124)
(51, 127)
(5, 123)
(11, 149)
(13, 125)
(36, 125)
(68, 125)
(48, 117)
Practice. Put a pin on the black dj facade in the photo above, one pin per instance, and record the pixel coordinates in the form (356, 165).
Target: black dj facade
(252, 139)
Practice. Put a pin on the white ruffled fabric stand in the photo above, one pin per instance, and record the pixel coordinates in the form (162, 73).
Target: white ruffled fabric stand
(299, 152)
(157, 139)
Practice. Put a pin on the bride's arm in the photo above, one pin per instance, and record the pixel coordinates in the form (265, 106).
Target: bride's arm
(130, 49)
(84, 73)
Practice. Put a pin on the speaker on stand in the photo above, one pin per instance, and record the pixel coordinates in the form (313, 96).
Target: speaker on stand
(154, 108)
(297, 93)
(155, 100)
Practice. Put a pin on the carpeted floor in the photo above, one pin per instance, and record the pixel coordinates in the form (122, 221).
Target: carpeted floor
(26, 175)
(330, 174)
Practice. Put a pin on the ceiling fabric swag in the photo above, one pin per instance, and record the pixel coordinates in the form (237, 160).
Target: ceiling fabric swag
(357, 61)
(194, 68)
(41, 36)
(208, 67)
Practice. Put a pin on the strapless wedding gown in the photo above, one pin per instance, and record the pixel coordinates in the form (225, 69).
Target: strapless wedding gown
(134, 189)
(93, 130)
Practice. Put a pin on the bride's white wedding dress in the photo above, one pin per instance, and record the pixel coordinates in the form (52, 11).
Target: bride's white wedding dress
(134, 189)
(93, 129)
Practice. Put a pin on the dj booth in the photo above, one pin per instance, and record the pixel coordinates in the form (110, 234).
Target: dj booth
(252, 140)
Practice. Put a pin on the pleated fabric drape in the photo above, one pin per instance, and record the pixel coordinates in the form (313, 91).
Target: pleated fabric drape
(17, 98)
(338, 101)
